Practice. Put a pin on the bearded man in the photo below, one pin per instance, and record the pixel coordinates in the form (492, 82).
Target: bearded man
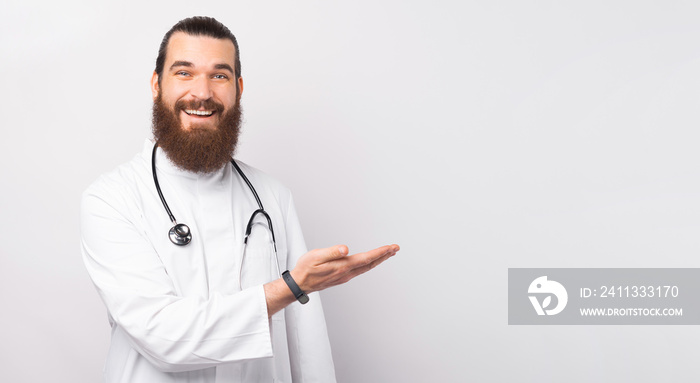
(205, 301)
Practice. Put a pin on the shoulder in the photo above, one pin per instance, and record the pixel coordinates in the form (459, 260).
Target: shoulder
(261, 178)
(119, 185)
(267, 185)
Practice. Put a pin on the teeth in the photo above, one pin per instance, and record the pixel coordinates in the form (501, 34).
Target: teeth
(199, 112)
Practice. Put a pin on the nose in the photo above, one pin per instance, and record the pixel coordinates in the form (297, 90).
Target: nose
(201, 88)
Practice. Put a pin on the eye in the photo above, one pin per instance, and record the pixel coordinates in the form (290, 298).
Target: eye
(181, 73)
(221, 76)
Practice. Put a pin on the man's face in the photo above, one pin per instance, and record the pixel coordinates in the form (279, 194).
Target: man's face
(196, 112)
(196, 69)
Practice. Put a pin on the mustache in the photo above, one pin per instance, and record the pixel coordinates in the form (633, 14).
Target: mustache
(196, 104)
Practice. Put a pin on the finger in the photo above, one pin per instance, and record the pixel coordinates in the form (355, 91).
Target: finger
(330, 253)
(367, 258)
(371, 265)
(365, 268)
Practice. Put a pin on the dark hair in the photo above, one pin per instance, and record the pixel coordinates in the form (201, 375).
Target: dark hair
(197, 26)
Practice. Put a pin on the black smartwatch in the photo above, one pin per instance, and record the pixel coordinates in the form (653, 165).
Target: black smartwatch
(298, 294)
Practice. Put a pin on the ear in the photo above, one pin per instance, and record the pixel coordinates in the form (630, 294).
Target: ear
(155, 88)
(240, 88)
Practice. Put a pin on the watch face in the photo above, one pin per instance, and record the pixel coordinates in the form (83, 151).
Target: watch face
(303, 299)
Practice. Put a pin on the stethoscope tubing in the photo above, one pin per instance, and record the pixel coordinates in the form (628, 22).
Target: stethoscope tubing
(155, 180)
(180, 240)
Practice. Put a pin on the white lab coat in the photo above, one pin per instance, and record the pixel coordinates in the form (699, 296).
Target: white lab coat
(197, 313)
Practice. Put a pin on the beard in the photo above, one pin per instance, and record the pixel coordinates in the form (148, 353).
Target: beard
(199, 149)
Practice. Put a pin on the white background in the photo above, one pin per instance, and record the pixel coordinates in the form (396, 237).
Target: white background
(477, 135)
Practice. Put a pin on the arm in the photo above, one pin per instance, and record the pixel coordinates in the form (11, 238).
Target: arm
(180, 333)
(174, 332)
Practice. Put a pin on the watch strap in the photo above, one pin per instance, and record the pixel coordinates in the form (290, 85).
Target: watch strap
(298, 293)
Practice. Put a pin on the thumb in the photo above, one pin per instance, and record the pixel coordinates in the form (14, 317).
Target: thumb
(331, 253)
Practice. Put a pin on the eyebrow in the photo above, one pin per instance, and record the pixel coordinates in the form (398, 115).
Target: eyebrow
(181, 63)
(224, 66)
(190, 65)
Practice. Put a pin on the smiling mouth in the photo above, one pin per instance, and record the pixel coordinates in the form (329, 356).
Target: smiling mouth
(203, 113)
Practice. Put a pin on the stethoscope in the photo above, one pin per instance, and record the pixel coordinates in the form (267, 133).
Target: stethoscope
(180, 233)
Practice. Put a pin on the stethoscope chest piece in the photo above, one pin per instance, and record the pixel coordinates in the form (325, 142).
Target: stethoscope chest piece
(180, 234)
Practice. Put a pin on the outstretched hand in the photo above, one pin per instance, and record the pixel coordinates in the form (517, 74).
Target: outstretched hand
(323, 268)
(320, 269)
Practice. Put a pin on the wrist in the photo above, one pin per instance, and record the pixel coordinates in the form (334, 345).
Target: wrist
(299, 279)
(277, 296)
(296, 290)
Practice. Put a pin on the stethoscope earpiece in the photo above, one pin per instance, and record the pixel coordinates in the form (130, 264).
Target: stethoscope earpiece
(180, 234)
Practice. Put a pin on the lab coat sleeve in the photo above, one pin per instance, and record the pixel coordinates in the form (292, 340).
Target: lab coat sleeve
(174, 333)
(309, 347)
